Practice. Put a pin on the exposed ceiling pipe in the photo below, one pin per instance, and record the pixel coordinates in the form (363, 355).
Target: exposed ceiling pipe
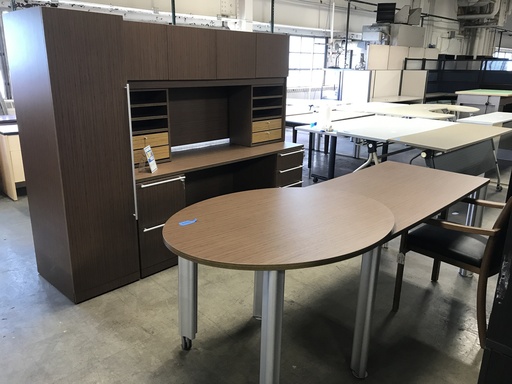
(272, 17)
(476, 16)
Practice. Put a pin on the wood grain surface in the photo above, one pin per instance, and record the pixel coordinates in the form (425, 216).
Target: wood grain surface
(278, 228)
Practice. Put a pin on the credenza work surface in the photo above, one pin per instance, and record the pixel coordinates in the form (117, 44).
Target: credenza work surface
(211, 157)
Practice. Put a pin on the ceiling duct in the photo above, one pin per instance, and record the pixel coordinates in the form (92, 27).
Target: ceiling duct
(476, 6)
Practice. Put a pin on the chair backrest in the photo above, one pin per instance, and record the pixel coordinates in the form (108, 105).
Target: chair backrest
(495, 246)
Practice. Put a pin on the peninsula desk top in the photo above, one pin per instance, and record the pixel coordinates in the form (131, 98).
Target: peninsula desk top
(262, 230)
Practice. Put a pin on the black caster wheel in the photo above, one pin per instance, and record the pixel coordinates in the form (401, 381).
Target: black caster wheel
(186, 343)
(315, 179)
(499, 188)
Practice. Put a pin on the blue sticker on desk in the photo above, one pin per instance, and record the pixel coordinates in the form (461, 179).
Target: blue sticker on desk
(187, 222)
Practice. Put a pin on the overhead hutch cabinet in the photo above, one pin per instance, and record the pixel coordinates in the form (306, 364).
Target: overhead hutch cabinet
(91, 90)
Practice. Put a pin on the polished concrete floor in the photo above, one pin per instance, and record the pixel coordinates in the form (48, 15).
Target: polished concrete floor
(131, 335)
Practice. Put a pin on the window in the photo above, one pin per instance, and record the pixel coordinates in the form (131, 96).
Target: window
(306, 62)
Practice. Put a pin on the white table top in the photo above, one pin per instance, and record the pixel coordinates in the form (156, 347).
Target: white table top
(385, 128)
(309, 118)
(452, 137)
(377, 107)
(437, 135)
(397, 99)
(493, 118)
(425, 111)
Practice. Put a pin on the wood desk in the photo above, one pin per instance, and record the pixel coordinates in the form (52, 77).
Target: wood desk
(11, 163)
(264, 231)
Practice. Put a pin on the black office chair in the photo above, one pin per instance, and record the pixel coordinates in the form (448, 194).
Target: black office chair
(474, 249)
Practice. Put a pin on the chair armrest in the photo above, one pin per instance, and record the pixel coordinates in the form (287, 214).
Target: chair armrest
(484, 203)
(461, 227)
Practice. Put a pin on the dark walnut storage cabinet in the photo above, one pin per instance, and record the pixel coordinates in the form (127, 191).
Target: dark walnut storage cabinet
(91, 90)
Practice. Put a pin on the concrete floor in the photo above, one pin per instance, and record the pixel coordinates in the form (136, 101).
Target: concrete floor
(131, 335)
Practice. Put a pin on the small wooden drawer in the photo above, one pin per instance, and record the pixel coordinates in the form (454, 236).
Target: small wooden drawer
(154, 139)
(265, 125)
(159, 153)
(289, 176)
(260, 137)
(290, 159)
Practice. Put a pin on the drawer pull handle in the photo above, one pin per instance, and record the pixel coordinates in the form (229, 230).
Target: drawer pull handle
(291, 185)
(291, 169)
(291, 153)
(153, 228)
(180, 178)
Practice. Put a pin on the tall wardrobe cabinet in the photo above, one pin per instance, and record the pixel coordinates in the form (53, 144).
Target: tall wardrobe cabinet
(71, 110)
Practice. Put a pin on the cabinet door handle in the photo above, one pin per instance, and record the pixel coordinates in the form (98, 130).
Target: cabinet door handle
(153, 228)
(136, 212)
(179, 178)
(290, 153)
(291, 185)
(290, 169)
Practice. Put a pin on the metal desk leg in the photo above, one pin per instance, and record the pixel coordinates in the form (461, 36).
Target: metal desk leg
(332, 157)
(372, 156)
(187, 293)
(310, 151)
(258, 295)
(294, 134)
(498, 175)
(365, 299)
(273, 300)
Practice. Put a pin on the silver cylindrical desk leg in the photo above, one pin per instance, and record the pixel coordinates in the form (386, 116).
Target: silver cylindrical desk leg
(187, 293)
(258, 295)
(271, 324)
(365, 299)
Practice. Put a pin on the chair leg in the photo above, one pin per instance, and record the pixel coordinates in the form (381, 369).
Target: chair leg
(398, 281)
(435, 270)
(481, 317)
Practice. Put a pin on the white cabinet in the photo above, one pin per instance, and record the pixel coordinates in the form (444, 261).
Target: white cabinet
(11, 164)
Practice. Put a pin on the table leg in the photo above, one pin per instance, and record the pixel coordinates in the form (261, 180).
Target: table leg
(294, 134)
(332, 157)
(187, 304)
(372, 155)
(273, 301)
(258, 295)
(310, 151)
(365, 299)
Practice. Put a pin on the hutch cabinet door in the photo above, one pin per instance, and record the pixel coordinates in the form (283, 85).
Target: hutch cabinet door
(192, 53)
(145, 51)
(236, 55)
(272, 53)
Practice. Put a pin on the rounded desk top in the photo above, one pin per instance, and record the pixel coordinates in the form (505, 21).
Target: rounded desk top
(275, 229)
